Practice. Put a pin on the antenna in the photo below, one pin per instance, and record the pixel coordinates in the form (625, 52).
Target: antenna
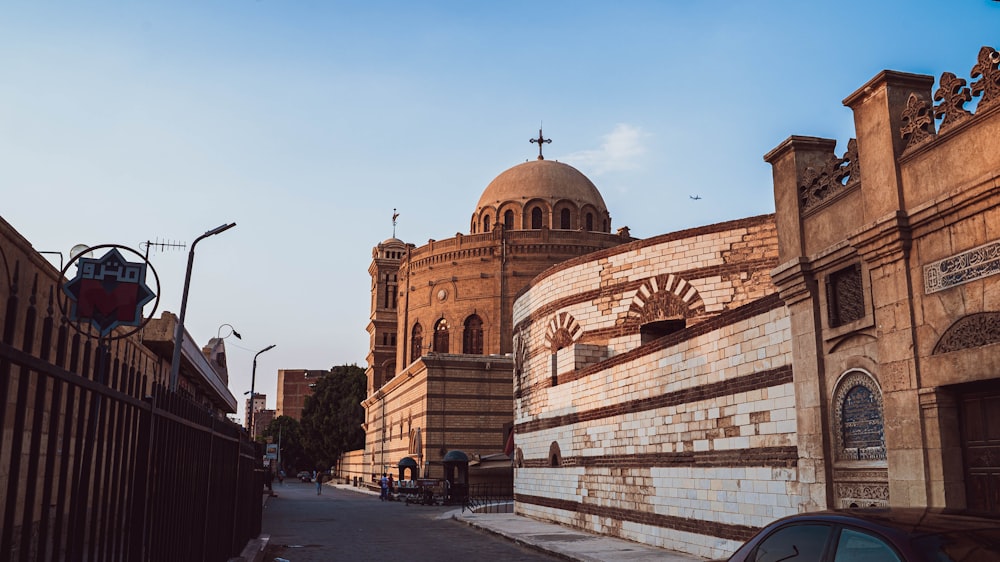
(162, 245)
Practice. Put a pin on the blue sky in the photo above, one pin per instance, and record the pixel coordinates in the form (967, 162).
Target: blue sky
(306, 123)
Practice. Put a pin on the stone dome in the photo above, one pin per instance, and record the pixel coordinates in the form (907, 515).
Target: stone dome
(542, 179)
(391, 248)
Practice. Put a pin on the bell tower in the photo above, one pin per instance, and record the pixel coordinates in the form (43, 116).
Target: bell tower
(382, 327)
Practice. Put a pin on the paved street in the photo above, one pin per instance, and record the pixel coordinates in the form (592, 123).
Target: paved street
(347, 525)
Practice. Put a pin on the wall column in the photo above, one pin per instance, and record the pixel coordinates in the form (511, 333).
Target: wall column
(942, 445)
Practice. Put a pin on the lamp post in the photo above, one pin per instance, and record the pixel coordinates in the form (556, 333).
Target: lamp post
(253, 395)
(175, 362)
(232, 332)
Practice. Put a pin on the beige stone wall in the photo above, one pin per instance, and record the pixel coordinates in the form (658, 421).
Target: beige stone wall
(908, 195)
(352, 465)
(687, 441)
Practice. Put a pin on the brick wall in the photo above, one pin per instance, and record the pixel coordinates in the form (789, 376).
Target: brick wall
(687, 441)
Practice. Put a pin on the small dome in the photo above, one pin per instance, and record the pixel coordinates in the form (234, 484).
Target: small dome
(392, 248)
(455, 456)
(407, 462)
(542, 179)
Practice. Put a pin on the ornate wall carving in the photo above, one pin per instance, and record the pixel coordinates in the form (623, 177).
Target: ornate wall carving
(971, 265)
(833, 178)
(861, 488)
(969, 331)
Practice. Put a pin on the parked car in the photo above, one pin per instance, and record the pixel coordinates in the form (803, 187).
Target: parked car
(876, 535)
(304, 476)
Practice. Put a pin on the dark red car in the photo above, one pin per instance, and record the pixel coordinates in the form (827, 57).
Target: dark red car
(876, 535)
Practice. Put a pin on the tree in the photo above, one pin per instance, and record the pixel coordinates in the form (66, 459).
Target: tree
(289, 432)
(332, 416)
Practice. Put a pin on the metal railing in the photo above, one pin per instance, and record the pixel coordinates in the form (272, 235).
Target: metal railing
(99, 461)
(490, 498)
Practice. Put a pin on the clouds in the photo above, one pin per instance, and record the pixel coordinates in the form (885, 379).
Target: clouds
(621, 150)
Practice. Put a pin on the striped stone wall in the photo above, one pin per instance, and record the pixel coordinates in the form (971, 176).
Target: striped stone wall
(687, 441)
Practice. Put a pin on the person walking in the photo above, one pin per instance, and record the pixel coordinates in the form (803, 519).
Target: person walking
(384, 485)
(319, 483)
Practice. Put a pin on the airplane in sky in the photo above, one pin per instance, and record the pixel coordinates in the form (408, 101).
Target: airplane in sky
(695, 197)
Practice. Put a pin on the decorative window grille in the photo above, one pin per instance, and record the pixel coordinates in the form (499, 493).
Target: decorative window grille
(845, 296)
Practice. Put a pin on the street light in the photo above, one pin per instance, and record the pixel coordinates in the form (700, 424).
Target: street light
(218, 354)
(232, 332)
(253, 382)
(175, 362)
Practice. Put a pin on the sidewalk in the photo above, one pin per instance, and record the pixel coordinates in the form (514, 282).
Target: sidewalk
(564, 542)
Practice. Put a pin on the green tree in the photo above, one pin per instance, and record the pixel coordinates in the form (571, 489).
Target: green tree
(289, 432)
(332, 416)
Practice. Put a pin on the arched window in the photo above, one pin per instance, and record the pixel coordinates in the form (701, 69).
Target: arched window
(859, 431)
(416, 342)
(390, 291)
(472, 336)
(555, 455)
(536, 218)
(486, 223)
(508, 220)
(564, 219)
(441, 336)
(590, 221)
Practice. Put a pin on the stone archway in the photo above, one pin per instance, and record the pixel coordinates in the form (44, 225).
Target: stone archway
(662, 306)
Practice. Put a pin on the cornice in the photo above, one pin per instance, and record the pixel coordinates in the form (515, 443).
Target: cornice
(884, 241)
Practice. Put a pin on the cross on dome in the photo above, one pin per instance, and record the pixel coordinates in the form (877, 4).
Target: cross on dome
(540, 140)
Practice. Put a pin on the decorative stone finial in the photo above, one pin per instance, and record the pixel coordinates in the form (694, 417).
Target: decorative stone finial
(952, 94)
(918, 123)
(989, 85)
(836, 175)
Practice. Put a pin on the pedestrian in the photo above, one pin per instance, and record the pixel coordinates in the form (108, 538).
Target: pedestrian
(384, 486)
(319, 483)
(281, 477)
(390, 488)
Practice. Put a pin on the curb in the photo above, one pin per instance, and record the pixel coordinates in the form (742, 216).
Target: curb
(457, 516)
(254, 550)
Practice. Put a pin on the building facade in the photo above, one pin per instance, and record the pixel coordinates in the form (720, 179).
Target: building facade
(854, 362)
(294, 385)
(441, 314)
(889, 256)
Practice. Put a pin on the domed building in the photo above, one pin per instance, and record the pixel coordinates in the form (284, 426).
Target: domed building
(541, 194)
(439, 366)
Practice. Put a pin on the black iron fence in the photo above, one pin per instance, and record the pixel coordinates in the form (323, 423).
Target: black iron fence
(490, 498)
(98, 460)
